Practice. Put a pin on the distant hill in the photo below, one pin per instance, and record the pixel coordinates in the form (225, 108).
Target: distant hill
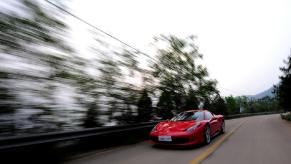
(265, 93)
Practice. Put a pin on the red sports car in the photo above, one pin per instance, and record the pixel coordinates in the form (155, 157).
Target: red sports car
(188, 128)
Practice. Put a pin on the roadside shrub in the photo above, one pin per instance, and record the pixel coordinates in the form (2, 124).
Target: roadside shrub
(286, 116)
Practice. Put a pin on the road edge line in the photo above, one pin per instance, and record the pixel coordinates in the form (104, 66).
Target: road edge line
(202, 156)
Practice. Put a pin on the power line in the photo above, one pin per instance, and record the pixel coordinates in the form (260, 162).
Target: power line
(100, 30)
(108, 34)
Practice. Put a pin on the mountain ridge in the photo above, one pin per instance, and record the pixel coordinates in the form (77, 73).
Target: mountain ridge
(268, 92)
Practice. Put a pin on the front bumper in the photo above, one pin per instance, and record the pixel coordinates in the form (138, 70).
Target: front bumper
(178, 138)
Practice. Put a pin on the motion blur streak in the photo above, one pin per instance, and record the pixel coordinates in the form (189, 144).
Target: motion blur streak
(50, 83)
(46, 85)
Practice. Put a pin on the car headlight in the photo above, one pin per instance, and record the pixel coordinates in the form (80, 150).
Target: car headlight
(192, 128)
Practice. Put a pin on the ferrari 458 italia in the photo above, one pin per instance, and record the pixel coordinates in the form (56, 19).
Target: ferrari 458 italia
(188, 128)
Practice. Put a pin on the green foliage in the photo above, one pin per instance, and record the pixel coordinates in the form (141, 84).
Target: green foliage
(165, 105)
(191, 100)
(31, 52)
(265, 104)
(121, 95)
(90, 119)
(35, 41)
(178, 73)
(144, 105)
(6, 95)
(283, 89)
(232, 105)
(218, 106)
(286, 116)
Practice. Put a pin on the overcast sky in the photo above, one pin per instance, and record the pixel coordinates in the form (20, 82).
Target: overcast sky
(244, 42)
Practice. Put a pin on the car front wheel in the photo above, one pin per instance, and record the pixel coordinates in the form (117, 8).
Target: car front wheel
(222, 128)
(207, 135)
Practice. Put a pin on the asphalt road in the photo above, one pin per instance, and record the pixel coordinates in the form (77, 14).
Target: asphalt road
(259, 140)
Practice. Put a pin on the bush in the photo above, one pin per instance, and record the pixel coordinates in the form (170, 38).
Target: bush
(286, 116)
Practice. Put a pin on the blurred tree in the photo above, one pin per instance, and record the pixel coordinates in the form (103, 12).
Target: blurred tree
(207, 92)
(251, 105)
(7, 104)
(243, 102)
(251, 108)
(206, 103)
(191, 100)
(177, 71)
(119, 71)
(110, 74)
(218, 106)
(144, 107)
(283, 89)
(32, 44)
(232, 105)
(130, 93)
(129, 103)
(165, 105)
(88, 94)
(91, 119)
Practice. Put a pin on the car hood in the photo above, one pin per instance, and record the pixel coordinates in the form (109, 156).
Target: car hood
(174, 126)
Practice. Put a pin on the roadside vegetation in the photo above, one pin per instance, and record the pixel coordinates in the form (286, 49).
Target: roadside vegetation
(47, 85)
(283, 89)
(286, 116)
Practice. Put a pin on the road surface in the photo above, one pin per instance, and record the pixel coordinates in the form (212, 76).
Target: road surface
(255, 140)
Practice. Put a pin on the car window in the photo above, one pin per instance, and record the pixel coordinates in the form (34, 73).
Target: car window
(208, 116)
(187, 116)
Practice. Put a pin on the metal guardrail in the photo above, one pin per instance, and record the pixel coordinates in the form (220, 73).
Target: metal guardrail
(54, 137)
(249, 114)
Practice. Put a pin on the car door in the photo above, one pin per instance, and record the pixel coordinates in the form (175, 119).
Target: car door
(214, 124)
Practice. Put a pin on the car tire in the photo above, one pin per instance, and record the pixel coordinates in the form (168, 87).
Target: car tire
(222, 128)
(207, 135)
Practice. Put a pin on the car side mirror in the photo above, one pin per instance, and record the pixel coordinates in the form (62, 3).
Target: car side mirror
(213, 118)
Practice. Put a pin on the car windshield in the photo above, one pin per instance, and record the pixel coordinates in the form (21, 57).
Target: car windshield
(187, 116)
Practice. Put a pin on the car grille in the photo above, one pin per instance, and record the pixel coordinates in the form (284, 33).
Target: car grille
(175, 140)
